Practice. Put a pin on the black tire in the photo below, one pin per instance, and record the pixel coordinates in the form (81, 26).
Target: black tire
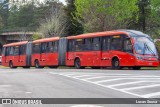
(77, 64)
(36, 63)
(136, 68)
(11, 65)
(115, 64)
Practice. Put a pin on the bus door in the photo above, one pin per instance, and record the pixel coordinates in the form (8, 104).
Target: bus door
(70, 56)
(52, 53)
(128, 58)
(43, 55)
(96, 51)
(16, 57)
(22, 55)
(4, 56)
(105, 57)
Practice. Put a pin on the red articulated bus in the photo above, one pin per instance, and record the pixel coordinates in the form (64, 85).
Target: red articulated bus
(15, 55)
(45, 52)
(116, 49)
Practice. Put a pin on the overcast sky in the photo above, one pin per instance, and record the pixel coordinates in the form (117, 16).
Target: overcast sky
(63, 1)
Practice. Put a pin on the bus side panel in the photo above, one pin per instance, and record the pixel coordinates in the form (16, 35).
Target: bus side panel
(52, 59)
(28, 54)
(86, 58)
(35, 57)
(125, 59)
(22, 60)
(62, 49)
(4, 57)
(97, 55)
(70, 58)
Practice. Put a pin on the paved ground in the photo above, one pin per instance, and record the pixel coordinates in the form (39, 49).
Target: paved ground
(84, 83)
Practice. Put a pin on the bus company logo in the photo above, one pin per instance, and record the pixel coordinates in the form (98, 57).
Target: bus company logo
(6, 101)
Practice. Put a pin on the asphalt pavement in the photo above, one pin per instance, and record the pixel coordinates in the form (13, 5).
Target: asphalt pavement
(82, 83)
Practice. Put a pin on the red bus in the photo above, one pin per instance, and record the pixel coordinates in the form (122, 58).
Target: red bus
(16, 54)
(116, 49)
(45, 52)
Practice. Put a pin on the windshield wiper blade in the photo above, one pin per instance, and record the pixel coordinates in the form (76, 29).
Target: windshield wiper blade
(150, 49)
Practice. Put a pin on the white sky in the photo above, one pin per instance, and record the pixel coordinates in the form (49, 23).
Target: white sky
(63, 1)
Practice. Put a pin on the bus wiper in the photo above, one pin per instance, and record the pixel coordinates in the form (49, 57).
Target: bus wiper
(149, 49)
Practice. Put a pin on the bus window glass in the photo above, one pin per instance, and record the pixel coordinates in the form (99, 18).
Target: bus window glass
(96, 43)
(11, 50)
(22, 50)
(54, 46)
(116, 43)
(43, 48)
(128, 45)
(36, 48)
(144, 45)
(16, 50)
(88, 44)
(105, 44)
(79, 44)
(71, 45)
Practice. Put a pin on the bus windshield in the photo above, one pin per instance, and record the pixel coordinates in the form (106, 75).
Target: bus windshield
(144, 45)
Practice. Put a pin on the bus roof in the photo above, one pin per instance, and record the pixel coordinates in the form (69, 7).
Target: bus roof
(15, 44)
(46, 40)
(97, 34)
(130, 33)
(134, 33)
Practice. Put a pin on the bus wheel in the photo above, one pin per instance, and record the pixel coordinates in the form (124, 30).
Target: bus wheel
(77, 64)
(136, 68)
(11, 64)
(36, 63)
(115, 64)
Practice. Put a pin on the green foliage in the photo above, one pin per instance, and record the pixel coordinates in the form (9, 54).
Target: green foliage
(55, 23)
(158, 47)
(100, 15)
(37, 36)
(18, 14)
(74, 27)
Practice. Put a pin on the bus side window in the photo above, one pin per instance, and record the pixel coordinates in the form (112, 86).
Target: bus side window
(11, 50)
(96, 43)
(105, 43)
(43, 47)
(53, 46)
(16, 50)
(70, 45)
(128, 45)
(22, 50)
(36, 48)
(56, 46)
(116, 43)
(88, 44)
(79, 45)
(4, 51)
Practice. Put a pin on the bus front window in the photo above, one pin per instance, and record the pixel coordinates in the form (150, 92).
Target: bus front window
(143, 45)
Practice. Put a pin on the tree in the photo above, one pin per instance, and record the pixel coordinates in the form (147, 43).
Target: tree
(74, 27)
(55, 23)
(4, 12)
(101, 15)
